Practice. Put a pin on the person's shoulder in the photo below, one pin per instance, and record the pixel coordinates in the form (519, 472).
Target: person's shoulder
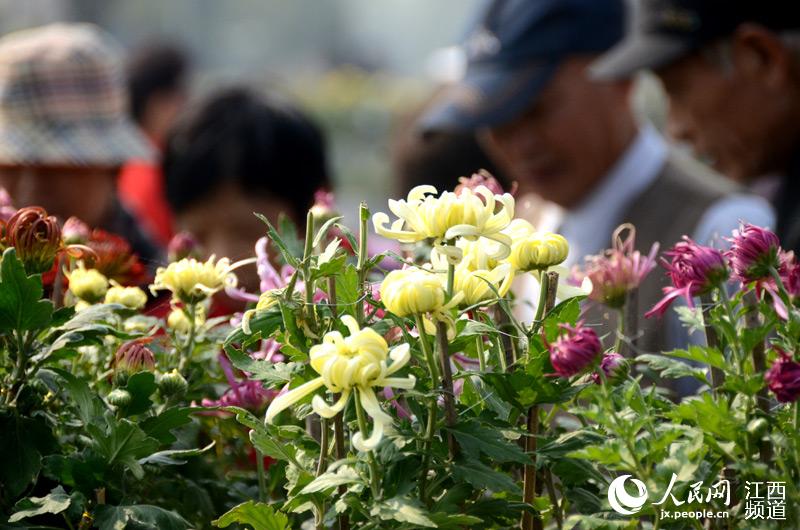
(688, 175)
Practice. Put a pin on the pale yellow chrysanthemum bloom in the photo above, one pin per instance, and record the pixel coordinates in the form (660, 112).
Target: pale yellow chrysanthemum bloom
(179, 322)
(355, 363)
(470, 214)
(89, 285)
(474, 283)
(130, 297)
(538, 251)
(487, 254)
(414, 291)
(192, 281)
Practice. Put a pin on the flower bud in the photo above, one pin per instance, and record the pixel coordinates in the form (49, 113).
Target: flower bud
(183, 245)
(754, 251)
(172, 384)
(36, 238)
(783, 378)
(75, 232)
(538, 251)
(615, 369)
(574, 350)
(88, 284)
(324, 207)
(413, 291)
(133, 356)
(119, 398)
(694, 270)
(481, 178)
(130, 297)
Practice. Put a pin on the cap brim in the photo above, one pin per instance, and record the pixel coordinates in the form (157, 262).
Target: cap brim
(487, 96)
(638, 52)
(99, 144)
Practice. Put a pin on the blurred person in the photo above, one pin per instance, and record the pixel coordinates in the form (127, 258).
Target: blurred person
(731, 70)
(157, 79)
(438, 159)
(583, 164)
(64, 130)
(237, 153)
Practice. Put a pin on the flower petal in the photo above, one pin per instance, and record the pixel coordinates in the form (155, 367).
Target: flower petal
(288, 399)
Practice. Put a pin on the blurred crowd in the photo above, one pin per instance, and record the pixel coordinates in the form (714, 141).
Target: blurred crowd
(538, 94)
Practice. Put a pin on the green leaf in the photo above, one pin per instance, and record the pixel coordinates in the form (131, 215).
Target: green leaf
(330, 268)
(453, 521)
(124, 445)
(260, 370)
(21, 306)
(482, 476)
(324, 230)
(272, 447)
(21, 445)
(474, 438)
(672, 368)
(160, 427)
(403, 510)
(141, 385)
(55, 502)
(170, 457)
(705, 355)
(89, 406)
(262, 326)
(276, 238)
(712, 416)
(347, 291)
(342, 475)
(138, 517)
(256, 514)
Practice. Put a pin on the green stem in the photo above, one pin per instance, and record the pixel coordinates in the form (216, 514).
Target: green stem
(262, 484)
(363, 216)
(448, 394)
(426, 349)
(620, 331)
(543, 287)
(373, 466)
(308, 250)
(481, 353)
(451, 279)
(735, 345)
(188, 347)
(501, 355)
(610, 407)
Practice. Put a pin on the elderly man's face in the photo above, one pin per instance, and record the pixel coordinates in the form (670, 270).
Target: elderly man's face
(562, 146)
(732, 110)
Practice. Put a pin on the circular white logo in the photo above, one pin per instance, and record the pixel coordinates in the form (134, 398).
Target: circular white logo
(621, 501)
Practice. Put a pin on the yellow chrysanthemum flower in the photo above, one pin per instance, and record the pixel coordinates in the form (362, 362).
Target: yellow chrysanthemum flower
(130, 297)
(470, 214)
(538, 251)
(88, 284)
(178, 321)
(192, 281)
(356, 363)
(412, 291)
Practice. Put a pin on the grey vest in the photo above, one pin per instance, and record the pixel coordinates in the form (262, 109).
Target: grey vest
(671, 207)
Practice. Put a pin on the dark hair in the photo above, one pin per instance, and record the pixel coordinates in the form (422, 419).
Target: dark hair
(237, 136)
(154, 68)
(439, 158)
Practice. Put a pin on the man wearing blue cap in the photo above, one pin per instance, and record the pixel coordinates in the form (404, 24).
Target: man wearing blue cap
(574, 143)
(732, 72)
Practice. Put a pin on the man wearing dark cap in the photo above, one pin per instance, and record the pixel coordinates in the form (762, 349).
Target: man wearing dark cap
(731, 70)
(574, 144)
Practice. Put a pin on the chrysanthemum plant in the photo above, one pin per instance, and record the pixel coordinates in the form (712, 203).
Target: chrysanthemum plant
(705, 426)
(413, 398)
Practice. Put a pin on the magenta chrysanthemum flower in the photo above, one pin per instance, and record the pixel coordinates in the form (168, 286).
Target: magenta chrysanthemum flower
(619, 269)
(754, 252)
(783, 378)
(693, 270)
(183, 245)
(614, 366)
(481, 178)
(574, 350)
